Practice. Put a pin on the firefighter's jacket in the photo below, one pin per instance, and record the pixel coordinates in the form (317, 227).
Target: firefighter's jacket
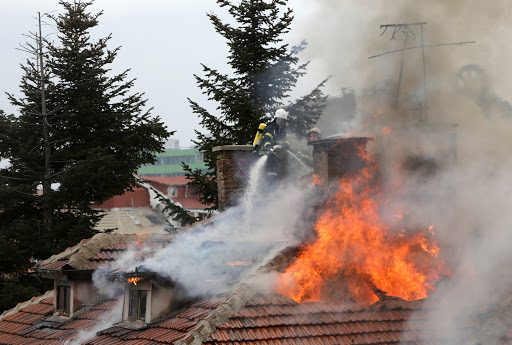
(274, 135)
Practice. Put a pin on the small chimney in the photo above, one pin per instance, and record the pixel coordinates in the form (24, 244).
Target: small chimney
(334, 158)
(233, 165)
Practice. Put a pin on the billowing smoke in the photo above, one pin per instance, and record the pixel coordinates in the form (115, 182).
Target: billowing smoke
(216, 256)
(467, 196)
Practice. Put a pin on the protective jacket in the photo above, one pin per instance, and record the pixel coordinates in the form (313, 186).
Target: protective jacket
(274, 135)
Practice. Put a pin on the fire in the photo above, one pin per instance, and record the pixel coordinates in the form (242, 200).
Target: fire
(134, 280)
(317, 180)
(356, 252)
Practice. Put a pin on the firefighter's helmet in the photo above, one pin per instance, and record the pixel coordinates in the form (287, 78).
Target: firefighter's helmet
(281, 114)
(315, 130)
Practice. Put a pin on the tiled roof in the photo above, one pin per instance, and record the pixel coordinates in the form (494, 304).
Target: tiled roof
(29, 325)
(244, 317)
(97, 251)
(262, 320)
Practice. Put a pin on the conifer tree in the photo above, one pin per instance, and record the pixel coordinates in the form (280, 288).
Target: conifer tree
(264, 71)
(99, 133)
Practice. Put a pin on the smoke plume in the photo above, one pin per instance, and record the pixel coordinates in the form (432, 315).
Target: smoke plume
(467, 200)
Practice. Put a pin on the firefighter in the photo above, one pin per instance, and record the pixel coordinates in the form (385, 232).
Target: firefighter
(274, 144)
(314, 134)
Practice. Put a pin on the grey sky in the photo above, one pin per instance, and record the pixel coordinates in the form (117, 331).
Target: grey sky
(163, 42)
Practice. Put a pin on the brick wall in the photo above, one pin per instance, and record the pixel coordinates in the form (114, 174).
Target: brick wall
(233, 163)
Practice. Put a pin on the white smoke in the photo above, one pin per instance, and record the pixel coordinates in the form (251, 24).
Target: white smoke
(105, 321)
(214, 257)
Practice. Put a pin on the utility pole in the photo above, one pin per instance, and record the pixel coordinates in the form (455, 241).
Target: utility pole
(409, 30)
(46, 178)
(47, 183)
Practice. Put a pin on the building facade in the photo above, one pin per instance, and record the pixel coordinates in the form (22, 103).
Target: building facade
(168, 163)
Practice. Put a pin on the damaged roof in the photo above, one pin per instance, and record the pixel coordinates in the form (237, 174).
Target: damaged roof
(97, 251)
(242, 318)
(246, 316)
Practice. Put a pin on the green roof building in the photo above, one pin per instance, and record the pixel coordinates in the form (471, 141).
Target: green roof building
(168, 163)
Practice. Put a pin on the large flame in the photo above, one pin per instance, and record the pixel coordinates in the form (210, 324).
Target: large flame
(355, 252)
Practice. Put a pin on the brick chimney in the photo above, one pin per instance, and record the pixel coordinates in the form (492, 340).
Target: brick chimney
(233, 164)
(334, 158)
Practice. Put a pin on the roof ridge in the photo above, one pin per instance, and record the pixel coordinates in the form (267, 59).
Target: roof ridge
(81, 253)
(93, 246)
(22, 305)
(233, 303)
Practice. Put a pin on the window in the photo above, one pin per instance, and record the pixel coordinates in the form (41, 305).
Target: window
(137, 304)
(172, 192)
(63, 299)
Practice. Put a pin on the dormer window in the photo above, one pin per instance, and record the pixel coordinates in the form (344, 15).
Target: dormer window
(137, 305)
(137, 302)
(63, 299)
(63, 302)
(73, 297)
(148, 297)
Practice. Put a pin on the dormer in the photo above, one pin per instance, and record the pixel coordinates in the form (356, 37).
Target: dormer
(71, 272)
(73, 296)
(147, 297)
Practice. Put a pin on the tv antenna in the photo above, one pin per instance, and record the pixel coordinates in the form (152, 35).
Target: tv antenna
(409, 32)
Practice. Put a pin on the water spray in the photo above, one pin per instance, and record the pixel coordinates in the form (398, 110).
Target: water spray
(302, 164)
(249, 197)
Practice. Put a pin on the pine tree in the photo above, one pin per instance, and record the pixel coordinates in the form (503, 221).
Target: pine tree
(264, 71)
(99, 132)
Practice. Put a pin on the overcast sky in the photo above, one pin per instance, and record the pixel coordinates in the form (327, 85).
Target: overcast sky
(163, 43)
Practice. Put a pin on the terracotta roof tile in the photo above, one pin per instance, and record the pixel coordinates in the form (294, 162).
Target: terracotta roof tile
(42, 333)
(107, 255)
(22, 317)
(105, 340)
(9, 338)
(178, 324)
(80, 324)
(13, 327)
(193, 313)
(118, 246)
(208, 304)
(116, 331)
(54, 265)
(106, 305)
(169, 336)
(42, 309)
(93, 314)
(47, 301)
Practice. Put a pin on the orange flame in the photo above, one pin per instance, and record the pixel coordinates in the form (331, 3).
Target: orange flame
(317, 180)
(355, 250)
(134, 280)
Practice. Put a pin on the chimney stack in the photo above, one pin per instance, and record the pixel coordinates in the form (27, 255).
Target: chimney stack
(334, 158)
(233, 165)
